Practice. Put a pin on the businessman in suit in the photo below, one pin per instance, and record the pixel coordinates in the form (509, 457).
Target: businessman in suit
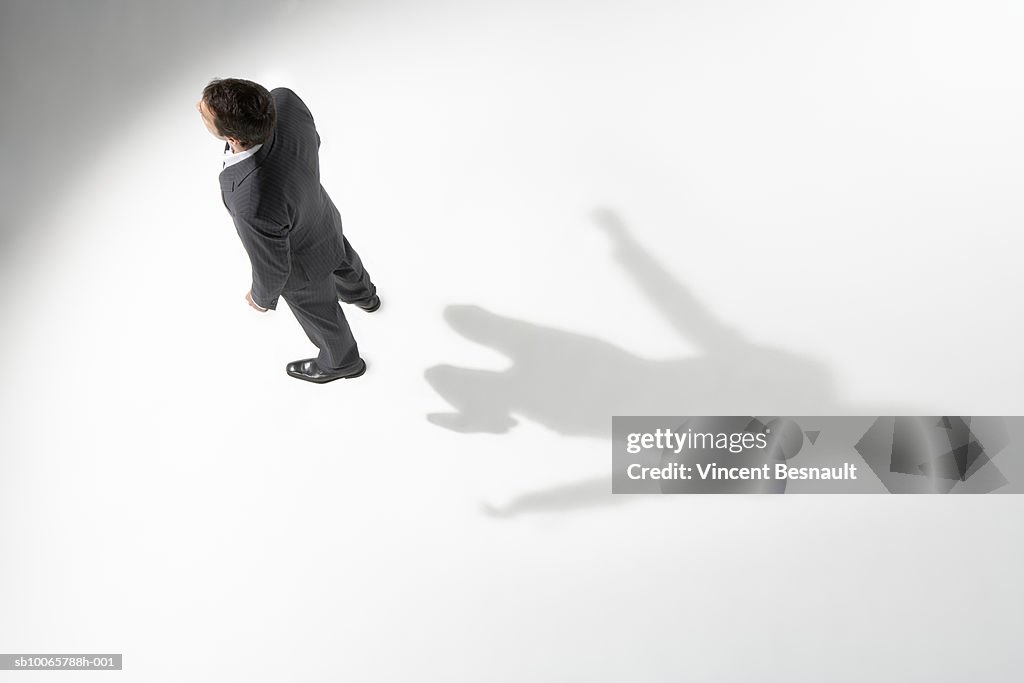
(288, 224)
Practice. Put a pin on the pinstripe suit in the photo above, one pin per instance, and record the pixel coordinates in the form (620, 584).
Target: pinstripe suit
(291, 231)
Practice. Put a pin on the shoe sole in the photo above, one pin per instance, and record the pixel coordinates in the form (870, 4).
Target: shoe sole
(361, 371)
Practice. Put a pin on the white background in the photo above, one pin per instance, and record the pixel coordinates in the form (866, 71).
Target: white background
(834, 186)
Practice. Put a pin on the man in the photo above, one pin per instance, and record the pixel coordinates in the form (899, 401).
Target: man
(288, 224)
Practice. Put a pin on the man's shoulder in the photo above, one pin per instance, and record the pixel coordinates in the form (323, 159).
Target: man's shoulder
(287, 98)
(285, 95)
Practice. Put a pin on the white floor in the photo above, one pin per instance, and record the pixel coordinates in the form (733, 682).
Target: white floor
(571, 210)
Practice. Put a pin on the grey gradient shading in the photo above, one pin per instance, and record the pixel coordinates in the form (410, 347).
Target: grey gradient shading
(74, 72)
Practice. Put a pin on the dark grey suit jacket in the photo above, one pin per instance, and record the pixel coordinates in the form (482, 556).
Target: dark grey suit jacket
(288, 224)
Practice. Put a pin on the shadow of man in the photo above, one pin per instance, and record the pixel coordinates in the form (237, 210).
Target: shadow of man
(573, 383)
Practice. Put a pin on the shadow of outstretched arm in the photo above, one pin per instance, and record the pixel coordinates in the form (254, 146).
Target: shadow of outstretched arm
(680, 308)
(579, 495)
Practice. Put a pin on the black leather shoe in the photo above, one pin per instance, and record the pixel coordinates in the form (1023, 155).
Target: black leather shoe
(308, 370)
(372, 305)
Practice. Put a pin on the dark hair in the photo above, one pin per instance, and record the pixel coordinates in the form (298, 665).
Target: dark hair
(241, 109)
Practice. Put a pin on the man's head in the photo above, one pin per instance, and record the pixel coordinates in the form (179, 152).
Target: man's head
(238, 111)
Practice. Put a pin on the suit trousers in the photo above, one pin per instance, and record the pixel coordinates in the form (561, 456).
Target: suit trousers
(315, 306)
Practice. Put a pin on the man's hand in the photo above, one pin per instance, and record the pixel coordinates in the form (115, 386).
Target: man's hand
(248, 297)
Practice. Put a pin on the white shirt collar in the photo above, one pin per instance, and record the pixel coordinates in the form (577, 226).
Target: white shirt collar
(230, 158)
